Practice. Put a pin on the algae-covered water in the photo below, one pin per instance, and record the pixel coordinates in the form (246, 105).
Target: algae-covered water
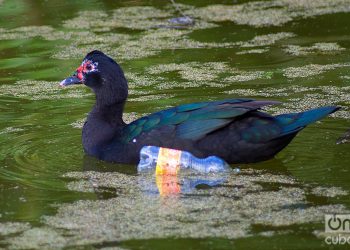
(52, 196)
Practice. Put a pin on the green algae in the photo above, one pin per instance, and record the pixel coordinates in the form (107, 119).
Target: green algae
(136, 80)
(41, 90)
(7, 228)
(146, 215)
(10, 130)
(83, 42)
(264, 40)
(215, 74)
(193, 71)
(345, 77)
(84, 34)
(44, 32)
(134, 18)
(132, 116)
(311, 70)
(88, 31)
(152, 42)
(39, 238)
(329, 191)
(166, 85)
(150, 97)
(78, 123)
(252, 51)
(317, 48)
(148, 43)
(212, 74)
(269, 13)
(137, 17)
(113, 248)
(299, 216)
(253, 14)
(73, 51)
(248, 76)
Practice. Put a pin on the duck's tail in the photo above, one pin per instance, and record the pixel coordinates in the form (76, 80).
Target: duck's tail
(294, 122)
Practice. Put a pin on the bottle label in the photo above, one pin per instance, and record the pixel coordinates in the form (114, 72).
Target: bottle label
(168, 162)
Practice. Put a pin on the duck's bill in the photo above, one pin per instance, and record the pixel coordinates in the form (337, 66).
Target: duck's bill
(70, 81)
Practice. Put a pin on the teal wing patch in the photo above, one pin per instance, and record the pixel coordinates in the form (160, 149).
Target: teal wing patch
(196, 129)
(195, 120)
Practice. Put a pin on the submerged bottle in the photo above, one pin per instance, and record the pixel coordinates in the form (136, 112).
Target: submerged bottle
(169, 161)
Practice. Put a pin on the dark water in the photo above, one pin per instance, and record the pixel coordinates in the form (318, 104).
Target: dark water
(296, 52)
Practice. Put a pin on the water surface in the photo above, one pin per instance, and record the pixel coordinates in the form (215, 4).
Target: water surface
(52, 195)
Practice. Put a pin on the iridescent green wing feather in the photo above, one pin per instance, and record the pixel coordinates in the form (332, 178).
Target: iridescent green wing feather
(193, 121)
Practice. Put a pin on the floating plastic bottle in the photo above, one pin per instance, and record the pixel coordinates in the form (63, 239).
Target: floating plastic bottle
(168, 161)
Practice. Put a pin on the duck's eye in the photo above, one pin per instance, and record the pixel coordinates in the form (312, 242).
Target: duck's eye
(88, 67)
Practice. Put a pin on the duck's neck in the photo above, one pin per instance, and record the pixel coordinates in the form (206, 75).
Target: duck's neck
(109, 114)
(104, 123)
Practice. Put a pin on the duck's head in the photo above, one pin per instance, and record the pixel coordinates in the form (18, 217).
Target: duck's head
(103, 75)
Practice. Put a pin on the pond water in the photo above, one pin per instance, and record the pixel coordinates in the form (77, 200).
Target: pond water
(52, 196)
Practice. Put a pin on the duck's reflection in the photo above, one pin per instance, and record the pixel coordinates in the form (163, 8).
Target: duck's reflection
(92, 164)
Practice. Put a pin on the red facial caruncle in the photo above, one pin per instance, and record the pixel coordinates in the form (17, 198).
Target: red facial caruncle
(86, 67)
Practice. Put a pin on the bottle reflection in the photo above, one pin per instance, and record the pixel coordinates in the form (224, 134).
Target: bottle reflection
(185, 181)
(168, 185)
(150, 183)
